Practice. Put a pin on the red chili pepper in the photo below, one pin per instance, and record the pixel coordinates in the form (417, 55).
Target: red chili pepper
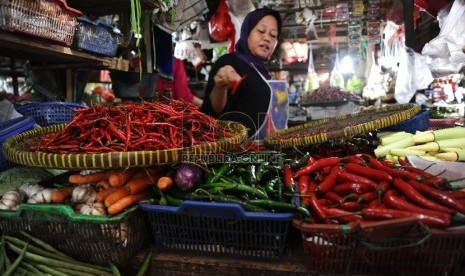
(317, 165)
(333, 197)
(345, 176)
(438, 196)
(329, 181)
(383, 186)
(368, 197)
(316, 209)
(375, 204)
(393, 201)
(303, 183)
(384, 214)
(341, 216)
(352, 206)
(394, 172)
(288, 178)
(413, 195)
(347, 188)
(456, 194)
(236, 85)
(368, 172)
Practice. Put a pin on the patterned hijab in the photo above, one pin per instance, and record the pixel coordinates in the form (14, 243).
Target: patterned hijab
(242, 47)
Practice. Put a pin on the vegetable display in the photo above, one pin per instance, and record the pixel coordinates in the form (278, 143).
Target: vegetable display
(133, 127)
(29, 255)
(328, 94)
(363, 188)
(85, 192)
(445, 144)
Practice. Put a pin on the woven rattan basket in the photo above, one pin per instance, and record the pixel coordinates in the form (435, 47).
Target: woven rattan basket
(346, 126)
(14, 149)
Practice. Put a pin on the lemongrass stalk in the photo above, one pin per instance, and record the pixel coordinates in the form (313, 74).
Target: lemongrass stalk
(389, 139)
(406, 152)
(383, 150)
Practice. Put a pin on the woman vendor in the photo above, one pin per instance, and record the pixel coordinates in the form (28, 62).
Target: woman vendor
(237, 87)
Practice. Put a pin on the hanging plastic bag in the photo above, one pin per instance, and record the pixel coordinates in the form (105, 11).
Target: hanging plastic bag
(220, 25)
(337, 79)
(311, 82)
(412, 75)
(445, 55)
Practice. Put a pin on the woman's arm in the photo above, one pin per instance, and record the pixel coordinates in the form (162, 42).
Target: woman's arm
(223, 79)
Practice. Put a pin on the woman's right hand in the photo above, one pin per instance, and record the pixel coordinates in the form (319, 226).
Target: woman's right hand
(225, 77)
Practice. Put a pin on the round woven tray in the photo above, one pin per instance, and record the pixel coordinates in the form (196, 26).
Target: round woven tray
(345, 126)
(14, 149)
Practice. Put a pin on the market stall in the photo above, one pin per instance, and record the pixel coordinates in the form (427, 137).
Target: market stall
(130, 179)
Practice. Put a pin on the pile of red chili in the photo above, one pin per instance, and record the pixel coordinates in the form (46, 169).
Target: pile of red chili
(360, 187)
(133, 127)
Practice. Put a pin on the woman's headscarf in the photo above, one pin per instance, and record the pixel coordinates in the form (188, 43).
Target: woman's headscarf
(242, 47)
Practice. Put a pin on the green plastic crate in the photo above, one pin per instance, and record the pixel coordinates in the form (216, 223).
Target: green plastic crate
(93, 239)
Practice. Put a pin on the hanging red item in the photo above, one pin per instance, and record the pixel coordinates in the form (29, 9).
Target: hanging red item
(431, 6)
(220, 25)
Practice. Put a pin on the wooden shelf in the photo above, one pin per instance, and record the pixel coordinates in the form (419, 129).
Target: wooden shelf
(39, 50)
(105, 7)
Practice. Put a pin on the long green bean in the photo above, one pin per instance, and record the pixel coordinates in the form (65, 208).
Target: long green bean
(50, 270)
(44, 245)
(44, 253)
(58, 263)
(145, 264)
(16, 262)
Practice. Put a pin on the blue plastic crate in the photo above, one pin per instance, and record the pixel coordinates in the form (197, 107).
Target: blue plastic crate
(419, 122)
(49, 113)
(8, 129)
(96, 37)
(217, 229)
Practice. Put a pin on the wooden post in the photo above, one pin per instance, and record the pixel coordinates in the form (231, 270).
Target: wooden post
(409, 23)
(69, 85)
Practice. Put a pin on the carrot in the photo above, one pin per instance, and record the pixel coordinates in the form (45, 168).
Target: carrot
(102, 194)
(102, 185)
(115, 196)
(61, 194)
(118, 179)
(125, 202)
(165, 183)
(93, 177)
(140, 184)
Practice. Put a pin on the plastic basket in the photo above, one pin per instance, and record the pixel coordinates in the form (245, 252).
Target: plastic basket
(220, 229)
(442, 123)
(94, 239)
(49, 113)
(8, 129)
(49, 19)
(419, 122)
(95, 37)
(394, 247)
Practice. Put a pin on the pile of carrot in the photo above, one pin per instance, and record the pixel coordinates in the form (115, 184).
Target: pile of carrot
(362, 188)
(133, 127)
(119, 189)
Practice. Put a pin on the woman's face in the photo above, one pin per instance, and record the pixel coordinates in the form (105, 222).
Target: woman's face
(263, 38)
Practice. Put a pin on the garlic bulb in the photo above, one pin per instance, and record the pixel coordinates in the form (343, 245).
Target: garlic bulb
(83, 194)
(44, 196)
(32, 200)
(12, 198)
(3, 206)
(30, 189)
(95, 209)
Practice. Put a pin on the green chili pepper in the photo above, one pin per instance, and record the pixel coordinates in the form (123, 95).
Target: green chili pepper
(237, 188)
(301, 162)
(273, 205)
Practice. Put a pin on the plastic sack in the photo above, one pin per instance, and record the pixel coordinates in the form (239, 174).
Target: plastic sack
(413, 75)
(220, 25)
(445, 55)
(311, 81)
(337, 79)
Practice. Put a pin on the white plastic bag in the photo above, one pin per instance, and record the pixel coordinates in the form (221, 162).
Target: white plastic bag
(445, 55)
(412, 75)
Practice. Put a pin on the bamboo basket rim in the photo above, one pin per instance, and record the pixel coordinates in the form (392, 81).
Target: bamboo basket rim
(343, 126)
(15, 151)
